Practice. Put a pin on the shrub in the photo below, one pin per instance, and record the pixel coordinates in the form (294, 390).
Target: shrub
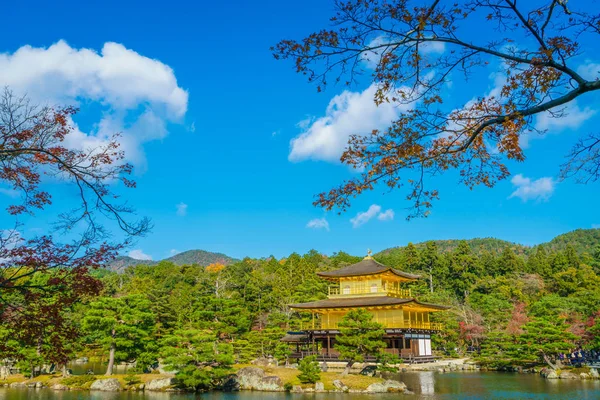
(310, 372)
(132, 379)
(288, 387)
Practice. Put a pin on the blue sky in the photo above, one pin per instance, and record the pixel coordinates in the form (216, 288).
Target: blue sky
(210, 117)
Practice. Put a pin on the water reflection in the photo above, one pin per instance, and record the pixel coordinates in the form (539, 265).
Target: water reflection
(425, 385)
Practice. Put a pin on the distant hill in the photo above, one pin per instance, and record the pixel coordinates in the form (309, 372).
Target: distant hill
(200, 257)
(583, 240)
(477, 245)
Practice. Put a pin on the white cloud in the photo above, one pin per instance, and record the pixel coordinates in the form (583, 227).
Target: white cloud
(181, 209)
(318, 223)
(193, 127)
(432, 47)
(589, 70)
(347, 113)
(571, 118)
(526, 189)
(173, 252)
(387, 215)
(364, 217)
(138, 254)
(120, 79)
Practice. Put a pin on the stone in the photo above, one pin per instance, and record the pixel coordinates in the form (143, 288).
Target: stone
(160, 384)
(387, 386)
(17, 385)
(141, 386)
(583, 375)
(38, 385)
(59, 386)
(261, 361)
(319, 387)
(297, 389)
(252, 378)
(551, 375)
(230, 384)
(594, 373)
(339, 385)
(568, 375)
(106, 385)
(324, 367)
(249, 377)
(81, 360)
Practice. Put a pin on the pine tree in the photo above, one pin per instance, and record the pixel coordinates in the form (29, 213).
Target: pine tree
(123, 325)
(310, 372)
(359, 337)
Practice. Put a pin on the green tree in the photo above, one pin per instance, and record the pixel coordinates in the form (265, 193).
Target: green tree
(200, 359)
(123, 325)
(544, 337)
(359, 337)
(310, 372)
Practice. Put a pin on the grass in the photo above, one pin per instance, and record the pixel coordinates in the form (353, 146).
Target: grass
(290, 375)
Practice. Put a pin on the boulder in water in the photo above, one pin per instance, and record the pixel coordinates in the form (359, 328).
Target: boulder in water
(339, 385)
(106, 385)
(388, 386)
(159, 384)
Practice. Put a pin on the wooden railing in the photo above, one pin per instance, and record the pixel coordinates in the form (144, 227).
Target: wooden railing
(407, 324)
(336, 291)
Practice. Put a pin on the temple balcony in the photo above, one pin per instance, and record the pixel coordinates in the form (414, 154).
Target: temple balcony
(318, 324)
(335, 292)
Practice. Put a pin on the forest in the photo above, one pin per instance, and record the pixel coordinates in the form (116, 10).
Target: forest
(513, 307)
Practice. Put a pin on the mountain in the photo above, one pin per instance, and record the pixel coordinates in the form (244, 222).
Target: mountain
(200, 257)
(477, 245)
(583, 240)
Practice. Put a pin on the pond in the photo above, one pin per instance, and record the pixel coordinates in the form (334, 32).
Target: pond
(425, 385)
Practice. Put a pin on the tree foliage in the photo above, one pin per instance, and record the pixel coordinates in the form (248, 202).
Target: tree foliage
(531, 46)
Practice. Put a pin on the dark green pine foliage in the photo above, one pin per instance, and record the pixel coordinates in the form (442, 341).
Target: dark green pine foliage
(359, 337)
(310, 372)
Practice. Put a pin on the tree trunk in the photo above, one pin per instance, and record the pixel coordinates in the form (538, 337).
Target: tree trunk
(65, 371)
(348, 368)
(431, 280)
(547, 359)
(111, 358)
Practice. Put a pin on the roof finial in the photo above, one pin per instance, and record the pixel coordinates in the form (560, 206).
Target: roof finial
(369, 257)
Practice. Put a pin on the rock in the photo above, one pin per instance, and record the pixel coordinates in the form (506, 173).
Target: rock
(551, 375)
(594, 373)
(388, 386)
(324, 367)
(81, 360)
(160, 384)
(106, 385)
(38, 385)
(319, 387)
(252, 378)
(568, 375)
(17, 385)
(297, 389)
(261, 361)
(59, 386)
(249, 377)
(583, 375)
(230, 384)
(339, 385)
(141, 386)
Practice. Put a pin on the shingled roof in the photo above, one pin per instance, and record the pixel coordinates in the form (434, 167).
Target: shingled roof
(367, 266)
(375, 301)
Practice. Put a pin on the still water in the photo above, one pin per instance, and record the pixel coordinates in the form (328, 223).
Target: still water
(425, 385)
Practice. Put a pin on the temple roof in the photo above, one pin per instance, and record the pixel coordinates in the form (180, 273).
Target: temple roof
(377, 301)
(368, 266)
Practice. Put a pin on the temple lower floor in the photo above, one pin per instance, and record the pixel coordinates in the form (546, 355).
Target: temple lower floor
(408, 345)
